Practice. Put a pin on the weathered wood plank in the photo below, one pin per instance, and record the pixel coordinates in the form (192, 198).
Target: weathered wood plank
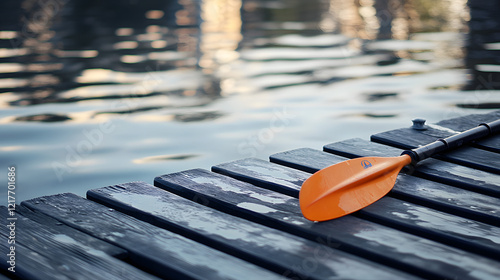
(281, 252)
(32, 265)
(164, 253)
(460, 124)
(432, 169)
(250, 170)
(61, 255)
(364, 238)
(407, 138)
(56, 227)
(463, 233)
(463, 123)
(413, 189)
(259, 172)
(308, 160)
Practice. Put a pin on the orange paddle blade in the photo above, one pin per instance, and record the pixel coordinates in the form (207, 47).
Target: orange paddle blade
(348, 186)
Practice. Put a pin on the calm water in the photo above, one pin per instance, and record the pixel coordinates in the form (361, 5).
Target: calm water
(96, 94)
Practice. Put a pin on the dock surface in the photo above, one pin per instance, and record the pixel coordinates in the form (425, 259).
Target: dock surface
(241, 220)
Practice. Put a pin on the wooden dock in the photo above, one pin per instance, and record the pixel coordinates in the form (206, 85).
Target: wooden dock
(241, 220)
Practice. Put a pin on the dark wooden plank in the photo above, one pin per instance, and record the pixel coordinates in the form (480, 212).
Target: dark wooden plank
(361, 237)
(31, 265)
(309, 160)
(433, 169)
(281, 252)
(408, 138)
(250, 169)
(273, 176)
(56, 227)
(164, 253)
(463, 233)
(463, 123)
(460, 124)
(62, 255)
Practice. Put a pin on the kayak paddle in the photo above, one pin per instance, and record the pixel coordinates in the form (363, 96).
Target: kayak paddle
(348, 186)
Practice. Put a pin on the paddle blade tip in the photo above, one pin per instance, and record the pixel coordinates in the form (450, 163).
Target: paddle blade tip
(348, 186)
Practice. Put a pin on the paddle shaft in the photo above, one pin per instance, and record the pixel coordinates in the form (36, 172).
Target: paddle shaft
(453, 141)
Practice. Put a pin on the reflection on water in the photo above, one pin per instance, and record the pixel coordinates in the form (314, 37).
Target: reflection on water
(96, 93)
(220, 33)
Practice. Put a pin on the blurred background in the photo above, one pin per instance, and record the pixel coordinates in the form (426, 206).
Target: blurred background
(95, 93)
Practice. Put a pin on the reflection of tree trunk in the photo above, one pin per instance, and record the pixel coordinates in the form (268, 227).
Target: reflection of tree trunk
(385, 17)
(484, 30)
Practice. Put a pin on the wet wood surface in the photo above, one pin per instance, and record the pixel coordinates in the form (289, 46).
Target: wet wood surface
(487, 207)
(45, 252)
(159, 251)
(274, 249)
(242, 220)
(349, 233)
